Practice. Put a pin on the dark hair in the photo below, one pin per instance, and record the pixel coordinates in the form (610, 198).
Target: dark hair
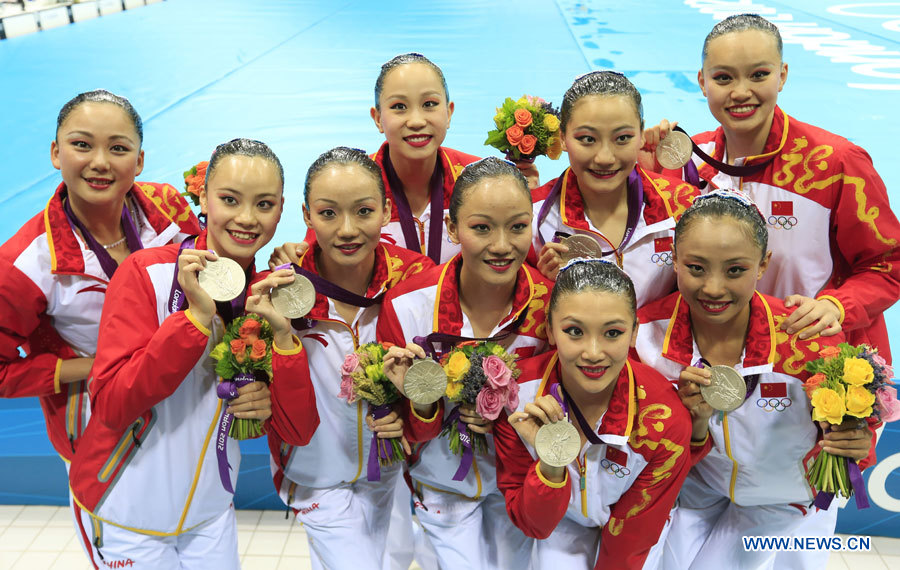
(603, 83)
(344, 156)
(475, 172)
(404, 59)
(592, 275)
(742, 23)
(726, 203)
(102, 96)
(243, 147)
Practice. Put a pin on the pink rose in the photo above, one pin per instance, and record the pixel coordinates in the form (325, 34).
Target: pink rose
(489, 402)
(351, 362)
(512, 397)
(887, 402)
(347, 389)
(888, 369)
(498, 374)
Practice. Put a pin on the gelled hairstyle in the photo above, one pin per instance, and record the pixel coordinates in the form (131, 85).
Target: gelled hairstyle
(603, 83)
(742, 23)
(722, 203)
(475, 172)
(404, 59)
(101, 96)
(592, 275)
(242, 147)
(344, 156)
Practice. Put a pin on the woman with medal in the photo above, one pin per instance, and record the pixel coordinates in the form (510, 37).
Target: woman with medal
(325, 482)
(57, 266)
(603, 204)
(811, 186)
(598, 497)
(723, 341)
(486, 292)
(152, 488)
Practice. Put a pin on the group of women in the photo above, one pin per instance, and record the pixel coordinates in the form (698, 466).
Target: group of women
(421, 244)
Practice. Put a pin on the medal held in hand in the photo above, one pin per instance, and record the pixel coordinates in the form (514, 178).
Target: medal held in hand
(295, 299)
(557, 444)
(674, 151)
(425, 382)
(581, 246)
(727, 389)
(222, 279)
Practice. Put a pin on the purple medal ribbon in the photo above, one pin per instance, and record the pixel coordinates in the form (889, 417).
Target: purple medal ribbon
(227, 390)
(570, 405)
(468, 454)
(228, 310)
(107, 263)
(728, 169)
(380, 448)
(823, 499)
(427, 342)
(405, 212)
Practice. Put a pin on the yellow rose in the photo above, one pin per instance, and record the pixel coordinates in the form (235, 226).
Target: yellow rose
(523, 100)
(499, 118)
(456, 366)
(828, 405)
(857, 372)
(453, 390)
(554, 147)
(551, 122)
(859, 401)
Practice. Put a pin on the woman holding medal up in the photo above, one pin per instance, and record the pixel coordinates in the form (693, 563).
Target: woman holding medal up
(325, 482)
(603, 204)
(486, 292)
(152, 488)
(811, 186)
(749, 476)
(597, 494)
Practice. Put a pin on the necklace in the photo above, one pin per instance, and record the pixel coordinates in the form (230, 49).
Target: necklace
(113, 244)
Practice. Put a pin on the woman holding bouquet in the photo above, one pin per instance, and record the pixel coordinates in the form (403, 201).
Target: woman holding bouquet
(486, 292)
(752, 479)
(152, 489)
(603, 195)
(325, 482)
(634, 432)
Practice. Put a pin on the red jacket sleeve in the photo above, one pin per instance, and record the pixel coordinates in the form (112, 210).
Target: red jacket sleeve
(294, 414)
(865, 241)
(139, 361)
(534, 504)
(638, 517)
(22, 305)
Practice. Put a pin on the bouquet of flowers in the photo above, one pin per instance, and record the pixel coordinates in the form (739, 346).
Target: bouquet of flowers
(243, 356)
(526, 129)
(362, 378)
(194, 180)
(847, 381)
(481, 374)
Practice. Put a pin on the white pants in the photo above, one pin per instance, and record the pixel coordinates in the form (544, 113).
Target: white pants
(570, 545)
(707, 531)
(211, 545)
(468, 533)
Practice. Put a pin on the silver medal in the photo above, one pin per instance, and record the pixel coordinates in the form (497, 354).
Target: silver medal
(674, 151)
(581, 246)
(223, 279)
(727, 389)
(425, 382)
(557, 444)
(295, 299)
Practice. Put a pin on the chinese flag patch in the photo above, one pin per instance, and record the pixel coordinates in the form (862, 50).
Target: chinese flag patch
(782, 208)
(773, 390)
(662, 244)
(616, 455)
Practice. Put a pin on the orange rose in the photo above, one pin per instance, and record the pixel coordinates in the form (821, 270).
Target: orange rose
(813, 382)
(237, 349)
(514, 135)
(195, 177)
(523, 117)
(258, 351)
(250, 331)
(829, 351)
(528, 143)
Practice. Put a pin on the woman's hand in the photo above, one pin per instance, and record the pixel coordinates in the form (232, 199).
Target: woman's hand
(75, 369)
(652, 136)
(397, 361)
(290, 252)
(387, 427)
(544, 410)
(550, 259)
(260, 302)
(812, 317)
(190, 263)
(851, 438)
(253, 402)
(689, 391)
(472, 419)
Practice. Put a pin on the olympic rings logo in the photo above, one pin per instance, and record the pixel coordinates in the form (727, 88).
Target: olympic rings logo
(614, 468)
(782, 222)
(662, 258)
(774, 404)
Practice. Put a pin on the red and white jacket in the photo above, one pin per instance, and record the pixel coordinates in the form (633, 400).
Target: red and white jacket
(758, 453)
(624, 487)
(647, 258)
(819, 184)
(338, 451)
(452, 163)
(428, 303)
(147, 460)
(51, 296)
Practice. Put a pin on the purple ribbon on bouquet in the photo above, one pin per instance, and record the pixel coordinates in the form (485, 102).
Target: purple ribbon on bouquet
(227, 390)
(823, 499)
(468, 454)
(380, 448)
